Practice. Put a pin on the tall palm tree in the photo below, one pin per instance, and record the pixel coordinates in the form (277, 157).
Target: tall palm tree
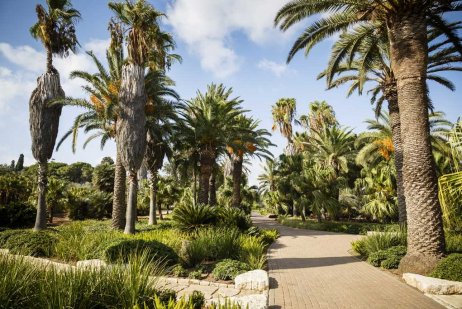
(101, 114)
(209, 123)
(267, 179)
(143, 37)
(160, 113)
(55, 29)
(249, 141)
(362, 55)
(406, 23)
(320, 114)
(284, 112)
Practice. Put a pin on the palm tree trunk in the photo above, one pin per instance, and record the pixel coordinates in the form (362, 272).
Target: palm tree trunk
(194, 184)
(50, 68)
(207, 160)
(409, 57)
(213, 189)
(237, 173)
(395, 124)
(131, 206)
(41, 218)
(153, 199)
(119, 203)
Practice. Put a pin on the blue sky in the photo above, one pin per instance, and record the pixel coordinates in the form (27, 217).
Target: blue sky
(222, 41)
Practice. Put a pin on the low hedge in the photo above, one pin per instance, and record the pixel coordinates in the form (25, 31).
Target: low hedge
(388, 258)
(449, 268)
(228, 269)
(123, 249)
(39, 244)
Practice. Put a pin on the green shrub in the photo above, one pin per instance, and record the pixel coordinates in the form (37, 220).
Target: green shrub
(121, 250)
(196, 300)
(449, 268)
(218, 243)
(388, 258)
(40, 244)
(166, 295)
(454, 242)
(193, 253)
(17, 214)
(234, 217)
(392, 262)
(252, 251)
(379, 241)
(195, 274)
(179, 271)
(359, 247)
(88, 203)
(191, 216)
(228, 269)
(4, 235)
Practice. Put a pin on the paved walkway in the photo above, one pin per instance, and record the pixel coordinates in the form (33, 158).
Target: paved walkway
(313, 269)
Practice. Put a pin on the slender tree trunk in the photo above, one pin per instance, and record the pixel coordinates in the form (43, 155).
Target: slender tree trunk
(213, 189)
(131, 206)
(237, 173)
(50, 68)
(207, 161)
(194, 185)
(42, 181)
(153, 199)
(119, 203)
(161, 216)
(395, 124)
(409, 57)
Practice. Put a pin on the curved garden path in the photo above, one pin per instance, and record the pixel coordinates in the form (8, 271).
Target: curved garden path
(313, 269)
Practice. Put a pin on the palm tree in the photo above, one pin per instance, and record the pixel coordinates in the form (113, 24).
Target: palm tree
(101, 114)
(320, 114)
(364, 53)
(209, 123)
(160, 113)
(283, 115)
(55, 29)
(143, 36)
(406, 22)
(249, 141)
(267, 179)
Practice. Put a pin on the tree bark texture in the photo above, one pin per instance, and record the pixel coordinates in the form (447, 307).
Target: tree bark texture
(119, 201)
(409, 57)
(153, 199)
(237, 174)
(213, 189)
(41, 218)
(395, 123)
(131, 206)
(207, 161)
(44, 124)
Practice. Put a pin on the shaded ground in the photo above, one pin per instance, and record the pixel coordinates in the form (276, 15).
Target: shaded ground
(313, 269)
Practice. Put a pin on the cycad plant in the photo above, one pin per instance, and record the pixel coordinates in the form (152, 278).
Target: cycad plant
(55, 29)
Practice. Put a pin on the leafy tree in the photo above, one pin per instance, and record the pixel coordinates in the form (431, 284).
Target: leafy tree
(103, 177)
(20, 163)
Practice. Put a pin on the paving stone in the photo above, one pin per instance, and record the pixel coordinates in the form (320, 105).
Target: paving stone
(206, 290)
(91, 264)
(448, 301)
(226, 292)
(313, 269)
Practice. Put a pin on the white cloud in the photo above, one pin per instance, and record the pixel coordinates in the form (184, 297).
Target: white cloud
(98, 47)
(206, 26)
(277, 69)
(31, 63)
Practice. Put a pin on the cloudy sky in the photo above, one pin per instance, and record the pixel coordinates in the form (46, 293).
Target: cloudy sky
(222, 41)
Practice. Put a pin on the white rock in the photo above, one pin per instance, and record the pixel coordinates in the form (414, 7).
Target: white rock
(252, 280)
(95, 264)
(430, 285)
(253, 301)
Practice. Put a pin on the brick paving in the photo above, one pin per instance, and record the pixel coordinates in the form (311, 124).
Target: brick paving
(313, 269)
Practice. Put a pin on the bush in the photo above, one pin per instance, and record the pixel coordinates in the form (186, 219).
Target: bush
(219, 243)
(388, 258)
(234, 217)
(379, 241)
(4, 235)
(190, 217)
(268, 236)
(195, 274)
(196, 300)
(88, 203)
(252, 251)
(454, 242)
(449, 268)
(179, 271)
(228, 269)
(121, 250)
(40, 244)
(17, 214)
(192, 253)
